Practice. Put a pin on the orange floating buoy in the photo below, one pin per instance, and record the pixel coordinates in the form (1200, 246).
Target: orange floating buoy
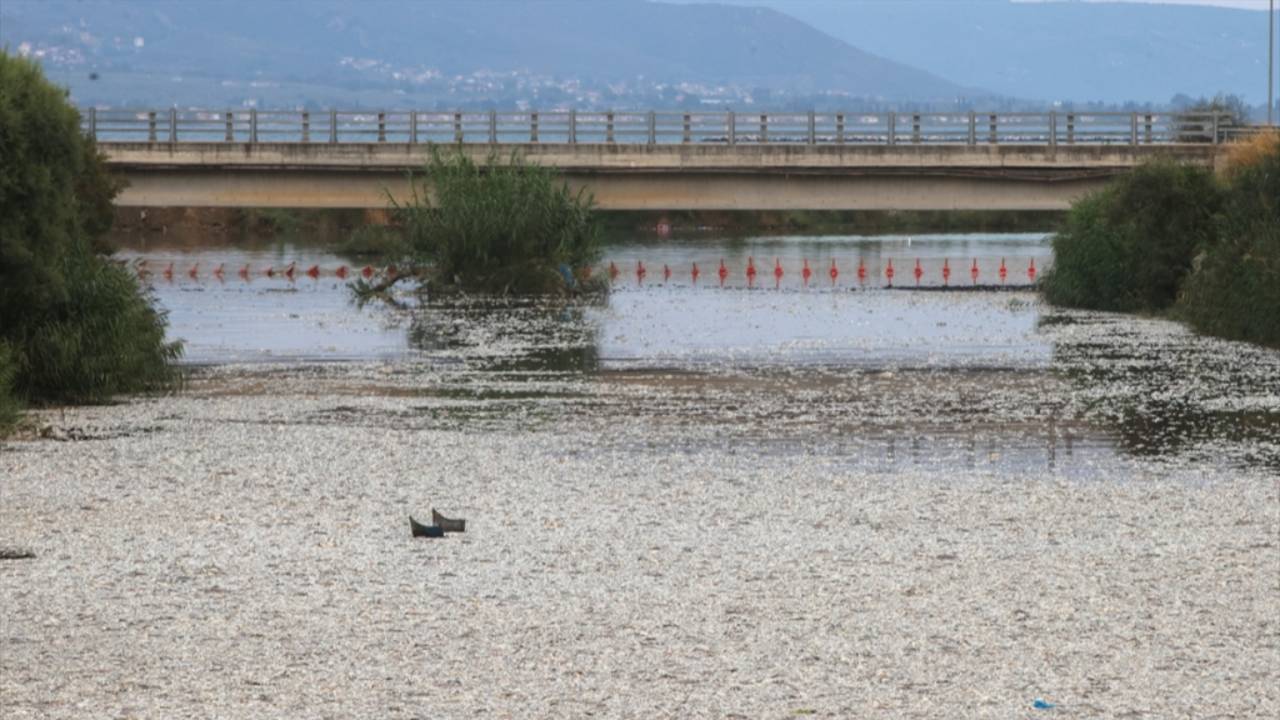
(862, 271)
(217, 272)
(640, 271)
(805, 272)
(270, 272)
(751, 270)
(194, 272)
(288, 272)
(777, 269)
(666, 272)
(1004, 271)
(367, 271)
(834, 272)
(341, 272)
(723, 272)
(888, 272)
(244, 272)
(695, 273)
(946, 272)
(613, 271)
(1031, 270)
(392, 271)
(313, 272)
(973, 271)
(918, 272)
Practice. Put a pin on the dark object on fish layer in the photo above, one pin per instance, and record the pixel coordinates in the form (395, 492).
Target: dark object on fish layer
(447, 524)
(16, 553)
(420, 530)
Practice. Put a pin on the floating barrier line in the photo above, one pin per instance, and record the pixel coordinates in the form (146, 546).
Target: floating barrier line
(291, 273)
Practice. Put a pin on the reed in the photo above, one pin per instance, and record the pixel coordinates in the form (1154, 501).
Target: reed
(498, 227)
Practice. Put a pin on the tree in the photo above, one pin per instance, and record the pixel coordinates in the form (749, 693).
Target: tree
(73, 326)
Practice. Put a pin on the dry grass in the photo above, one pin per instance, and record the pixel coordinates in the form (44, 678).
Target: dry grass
(1250, 152)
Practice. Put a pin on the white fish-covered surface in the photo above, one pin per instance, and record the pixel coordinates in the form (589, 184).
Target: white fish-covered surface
(1085, 512)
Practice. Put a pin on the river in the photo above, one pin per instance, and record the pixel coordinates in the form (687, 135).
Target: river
(770, 496)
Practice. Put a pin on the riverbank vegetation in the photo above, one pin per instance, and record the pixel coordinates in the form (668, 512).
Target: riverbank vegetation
(74, 326)
(1182, 240)
(498, 226)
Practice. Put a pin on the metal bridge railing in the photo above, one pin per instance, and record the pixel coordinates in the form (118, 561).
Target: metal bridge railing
(655, 127)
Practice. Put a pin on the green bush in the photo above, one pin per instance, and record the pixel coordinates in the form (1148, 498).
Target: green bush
(498, 227)
(1129, 246)
(1234, 291)
(77, 327)
(8, 403)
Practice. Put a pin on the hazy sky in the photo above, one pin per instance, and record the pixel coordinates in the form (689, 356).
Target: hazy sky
(1242, 4)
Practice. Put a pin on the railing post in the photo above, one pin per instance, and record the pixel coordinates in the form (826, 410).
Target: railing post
(382, 126)
(1071, 128)
(493, 127)
(1215, 128)
(533, 127)
(93, 123)
(231, 127)
(973, 128)
(608, 128)
(253, 126)
(413, 127)
(893, 128)
(915, 128)
(333, 127)
(839, 128)
(457, 127)
(653, 128)
(685, 137)
(573, 126)
(173, 125)
(764, 128)
(1133, 128)
(1053, 129)
(993, 129)
(151, 126)
(732, 126)
(1147, 121)
(813, 129)
(306, 126)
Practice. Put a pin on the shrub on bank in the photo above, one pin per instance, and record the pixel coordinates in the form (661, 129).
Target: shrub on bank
(1129, 246)
(8, 403)
(499, 226)
(1234, 291)
(76, 326)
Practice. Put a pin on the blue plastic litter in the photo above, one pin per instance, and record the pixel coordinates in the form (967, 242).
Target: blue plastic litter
(1042, 705)
(567, 274)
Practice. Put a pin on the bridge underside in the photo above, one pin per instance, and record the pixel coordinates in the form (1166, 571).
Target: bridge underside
(679, 190)
(640, 177)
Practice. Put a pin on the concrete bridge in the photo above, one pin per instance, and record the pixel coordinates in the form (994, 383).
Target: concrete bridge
(639, 161)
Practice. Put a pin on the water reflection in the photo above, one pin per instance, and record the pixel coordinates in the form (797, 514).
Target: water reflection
(507, 335)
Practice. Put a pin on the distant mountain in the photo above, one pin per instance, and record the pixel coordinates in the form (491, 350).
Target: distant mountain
(1112, 52)
(408, 52)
